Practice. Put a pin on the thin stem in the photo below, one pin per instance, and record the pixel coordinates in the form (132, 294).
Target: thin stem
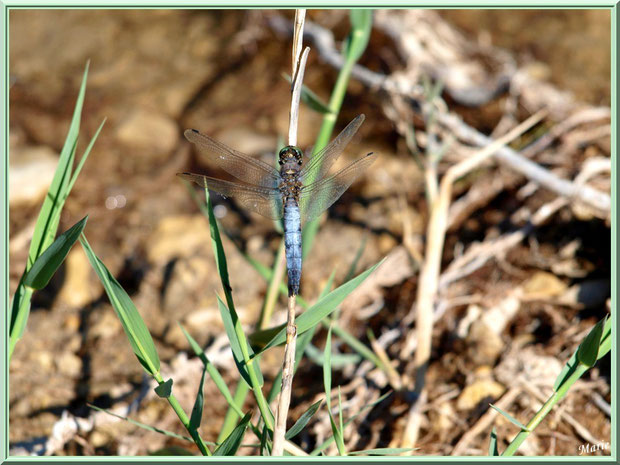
(232, 415)
(544, 410)
(288, 366)
(176, 406)
(274, 287)
(288, 370)
(21, 315)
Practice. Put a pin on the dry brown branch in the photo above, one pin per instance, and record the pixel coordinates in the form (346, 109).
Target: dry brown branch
(429, 274)
(324, 42)
(478, 254)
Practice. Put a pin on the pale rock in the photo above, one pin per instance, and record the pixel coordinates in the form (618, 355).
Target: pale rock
(178, 236)
(543, 285)
(78, 289)
(175, 337)
(108, 325)
(203, 318)
(69, 365)
(31, 170)
(483, 386)
(148, 131)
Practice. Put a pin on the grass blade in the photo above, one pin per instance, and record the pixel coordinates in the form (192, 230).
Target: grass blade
(47, 222)
(232, 326)
(309, 98)
(328, 441)
(337, 435)
(587, 353)
(327, 369)
(196, 416)
(213, 372)
(142, 425)
(133, 324)
(233, 441)
(361, 25)
(493, 450)
(80, 165)
(303, 420)
(164, 389)
(50, 260)
(337, 360)
(322, 308)
(571, 366)
(510, 418)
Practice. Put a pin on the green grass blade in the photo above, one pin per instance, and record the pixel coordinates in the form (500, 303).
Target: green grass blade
(337, 360)
(218, 252)
(213, 372)
(133, 324)
(80, 165)
(303, 420)
(264, 450)
(233, 441)
(493, 450)
(361, 25)
(196, 416)
(355, 44)
(47, 222)
(573, 363)
(510, 418)
(337, 435)
(50, 260)
(309, 98)
(587, 353)
(605, 345)
(20, 310)
(327, 369)
(340, 420)
(357, 345)
(329, 440)
(143, 425)
(230, 322)
(322, 308)
(164, 389)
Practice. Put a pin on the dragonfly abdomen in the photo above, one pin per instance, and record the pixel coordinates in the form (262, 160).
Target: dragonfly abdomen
(292, 244)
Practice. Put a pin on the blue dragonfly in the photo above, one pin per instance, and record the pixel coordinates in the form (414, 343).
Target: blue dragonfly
(298, 192)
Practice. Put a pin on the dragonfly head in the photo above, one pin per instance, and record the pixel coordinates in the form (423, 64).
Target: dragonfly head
(290, 154)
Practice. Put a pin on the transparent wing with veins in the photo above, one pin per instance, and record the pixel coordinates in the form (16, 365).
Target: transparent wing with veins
(243, 167)
(320, 195)
(319, 164)
(266, 201)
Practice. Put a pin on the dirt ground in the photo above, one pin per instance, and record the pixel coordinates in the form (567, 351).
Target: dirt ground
(154, 73)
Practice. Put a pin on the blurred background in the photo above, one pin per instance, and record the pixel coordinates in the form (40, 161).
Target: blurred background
(154, 73)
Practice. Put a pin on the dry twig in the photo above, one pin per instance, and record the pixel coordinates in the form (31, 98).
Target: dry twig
(284, 400)
(429, 274)
(323, 40)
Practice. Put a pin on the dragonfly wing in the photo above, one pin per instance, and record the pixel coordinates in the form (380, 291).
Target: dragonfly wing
(320, 163)
(243, 167)
(320, 195)
(265, 201)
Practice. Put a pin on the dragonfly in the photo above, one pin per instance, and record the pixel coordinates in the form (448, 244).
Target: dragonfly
(297, 193)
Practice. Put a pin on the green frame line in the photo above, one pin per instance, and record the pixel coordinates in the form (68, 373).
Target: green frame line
(7, 6)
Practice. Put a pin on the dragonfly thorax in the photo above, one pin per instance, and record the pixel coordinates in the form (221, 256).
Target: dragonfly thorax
(290, 155)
